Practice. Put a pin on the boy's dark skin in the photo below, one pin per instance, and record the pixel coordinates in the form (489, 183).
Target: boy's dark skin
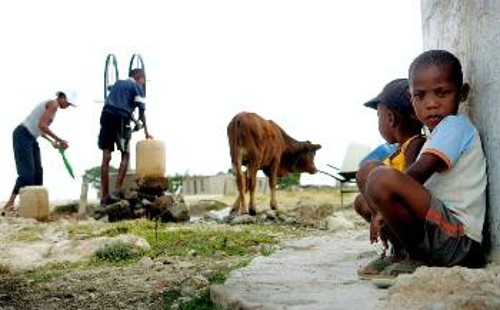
(125, 156)
(393, 130)
(401, 198)
(46, 133)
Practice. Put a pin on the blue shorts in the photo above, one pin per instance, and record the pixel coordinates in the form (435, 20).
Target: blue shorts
(445, 242)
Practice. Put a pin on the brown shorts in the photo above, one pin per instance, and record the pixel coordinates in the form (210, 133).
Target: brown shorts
(445, 242)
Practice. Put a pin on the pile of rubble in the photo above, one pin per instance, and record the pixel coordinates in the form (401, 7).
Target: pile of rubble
(149, 199)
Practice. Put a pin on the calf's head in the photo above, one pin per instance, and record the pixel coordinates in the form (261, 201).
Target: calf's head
(300, 157)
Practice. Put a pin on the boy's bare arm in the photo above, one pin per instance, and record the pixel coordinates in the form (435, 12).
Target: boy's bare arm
(413, 149)
(44, 124)
(426, 165)
(142, 118)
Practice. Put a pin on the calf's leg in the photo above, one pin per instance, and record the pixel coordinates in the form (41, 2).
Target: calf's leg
(273, 179)
(239, 204)
(252, 178)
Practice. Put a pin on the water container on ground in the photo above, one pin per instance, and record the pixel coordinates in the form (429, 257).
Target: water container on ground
(34, 202)
(150, 158)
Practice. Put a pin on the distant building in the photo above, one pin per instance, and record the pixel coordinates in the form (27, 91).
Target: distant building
(219, 184)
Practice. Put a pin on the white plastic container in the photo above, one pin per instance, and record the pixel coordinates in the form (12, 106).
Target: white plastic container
(150, 158)
(34, 202)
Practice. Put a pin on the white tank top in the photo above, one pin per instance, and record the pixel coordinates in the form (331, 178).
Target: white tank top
(31, 122)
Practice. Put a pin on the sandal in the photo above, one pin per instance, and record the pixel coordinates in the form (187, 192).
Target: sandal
(375, 267)
(406, 266)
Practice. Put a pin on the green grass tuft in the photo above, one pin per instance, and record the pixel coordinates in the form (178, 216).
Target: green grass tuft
(116, 252)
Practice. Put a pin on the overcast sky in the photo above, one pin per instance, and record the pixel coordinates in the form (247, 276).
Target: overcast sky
(308, 65)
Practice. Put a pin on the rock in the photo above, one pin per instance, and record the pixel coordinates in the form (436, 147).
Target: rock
(164, 201)
(219, 215)
(193, 285)
(447, 288)
(179, 212)
(146, 263)
(134, 241)
(55, 235)
(131, 195)
(120, 210)
(206, 205)
(243, 219)
(337, 222)
(167, 209)
(152, 185)
(311, 215)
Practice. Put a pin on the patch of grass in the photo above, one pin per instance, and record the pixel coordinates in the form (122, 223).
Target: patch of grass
(202, 300)
(43, 276)
(99, 229)
(187, 241)
(220, 276)
(290, 198)
(52, 271)
(28, 234)
(170, 297)
(80, 230)
(232, 241)
(116, 252)
(4, 269)
(66, 208)
(115, 231)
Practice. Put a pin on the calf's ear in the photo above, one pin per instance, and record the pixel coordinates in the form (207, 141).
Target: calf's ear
(314, 147)
(309, 147)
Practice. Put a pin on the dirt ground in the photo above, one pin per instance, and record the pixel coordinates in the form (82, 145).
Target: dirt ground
(144, 285)
(132, 287)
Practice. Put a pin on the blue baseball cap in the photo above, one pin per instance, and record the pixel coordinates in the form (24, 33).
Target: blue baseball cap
(396, 96)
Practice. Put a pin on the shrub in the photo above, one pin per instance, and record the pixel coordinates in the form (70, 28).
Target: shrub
(116, 252)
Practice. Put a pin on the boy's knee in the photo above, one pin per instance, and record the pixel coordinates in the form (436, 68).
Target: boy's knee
(364, 171)
(379, 183)
(358, 204)
(106, 157)
(125, 156)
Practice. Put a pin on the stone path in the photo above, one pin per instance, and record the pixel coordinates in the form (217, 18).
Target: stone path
(314, 273)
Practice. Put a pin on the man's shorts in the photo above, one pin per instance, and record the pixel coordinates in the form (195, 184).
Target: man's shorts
(115, 129)
(445, 241)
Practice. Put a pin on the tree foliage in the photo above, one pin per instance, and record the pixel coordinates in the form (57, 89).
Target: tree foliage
(175, 182)
(289, 180)
(93, 176)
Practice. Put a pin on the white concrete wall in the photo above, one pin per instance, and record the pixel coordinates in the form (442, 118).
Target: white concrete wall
(471, 30)
(221, 184)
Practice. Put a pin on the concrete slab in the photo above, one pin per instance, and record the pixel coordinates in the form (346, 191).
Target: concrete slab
(313, 273)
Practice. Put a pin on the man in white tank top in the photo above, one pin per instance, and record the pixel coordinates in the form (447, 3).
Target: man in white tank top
(26, 148)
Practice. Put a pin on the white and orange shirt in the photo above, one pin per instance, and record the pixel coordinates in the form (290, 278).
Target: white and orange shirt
(462, 186)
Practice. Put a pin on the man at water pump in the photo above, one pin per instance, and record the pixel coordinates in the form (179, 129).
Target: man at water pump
(117, 114)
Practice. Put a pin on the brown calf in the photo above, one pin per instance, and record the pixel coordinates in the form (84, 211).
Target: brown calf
(261, 144)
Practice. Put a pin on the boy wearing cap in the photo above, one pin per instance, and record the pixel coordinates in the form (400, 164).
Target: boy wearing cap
(26, 148)
(436, 207)
(124, 97)
(398, 125)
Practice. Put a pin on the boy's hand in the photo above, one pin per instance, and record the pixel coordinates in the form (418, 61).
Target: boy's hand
(60, 145)
(137, 125)
(376, 225)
